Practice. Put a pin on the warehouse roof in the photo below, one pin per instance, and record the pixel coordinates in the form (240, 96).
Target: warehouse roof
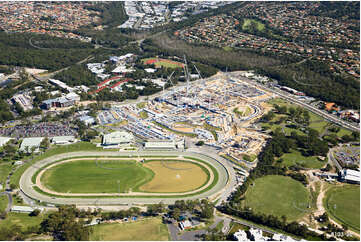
(160, 144)
(22, 209)
(62, 139)
(117, 137)
(30, 142)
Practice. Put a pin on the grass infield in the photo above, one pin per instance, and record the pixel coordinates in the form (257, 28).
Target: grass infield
(89, 176)
(278, 195)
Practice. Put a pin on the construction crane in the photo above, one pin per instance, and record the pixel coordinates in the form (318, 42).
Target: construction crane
(186, 74)
(199, 73)
(168, 79)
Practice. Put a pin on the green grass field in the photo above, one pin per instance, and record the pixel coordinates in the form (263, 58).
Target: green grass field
(247, 23)
(143, 115)
(57, 149)
(146, 230)
(5, 169)
(85, 176)
(295, 157)
(278, 195)
(3, 202)
(22, 219)
(343, 204)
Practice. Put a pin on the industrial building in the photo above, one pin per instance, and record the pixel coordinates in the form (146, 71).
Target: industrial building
(160, 145)
(350, 176)
(24, 100)
(31, 143)
(67, 100)
(63, 140)
(117, 138)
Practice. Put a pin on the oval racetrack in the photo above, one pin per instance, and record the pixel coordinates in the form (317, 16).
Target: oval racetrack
(27, 186)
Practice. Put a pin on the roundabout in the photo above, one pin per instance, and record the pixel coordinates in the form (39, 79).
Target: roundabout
(123, 178)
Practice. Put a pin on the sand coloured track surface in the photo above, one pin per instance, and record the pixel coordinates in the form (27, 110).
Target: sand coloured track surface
(45, 189)
(184, 177)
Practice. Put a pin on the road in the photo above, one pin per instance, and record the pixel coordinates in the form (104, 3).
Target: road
(26, 184)
(47, 76)
(288, 97)
(332, 159)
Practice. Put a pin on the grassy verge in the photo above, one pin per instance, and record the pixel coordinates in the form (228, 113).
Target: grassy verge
(22, 219)
(3, 202)
(234, 161)
(174, 131)
(5, 169)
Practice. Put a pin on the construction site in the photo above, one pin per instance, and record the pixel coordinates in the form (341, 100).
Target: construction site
(220, 111)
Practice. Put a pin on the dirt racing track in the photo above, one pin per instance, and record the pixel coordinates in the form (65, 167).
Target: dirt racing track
(207, 191)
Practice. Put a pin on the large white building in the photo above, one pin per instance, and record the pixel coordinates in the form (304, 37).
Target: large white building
(31, 143)
(117, 138)
(160, 145)
(350, 176)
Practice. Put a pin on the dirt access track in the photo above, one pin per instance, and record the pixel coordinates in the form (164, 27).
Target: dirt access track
(27, 186)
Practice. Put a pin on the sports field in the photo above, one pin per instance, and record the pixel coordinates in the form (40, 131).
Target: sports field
(150, 230)
(296, 158)
(118, 175)
(174, 177)
(278, 195)
(158, 62)
(91, 176)
(343, 204)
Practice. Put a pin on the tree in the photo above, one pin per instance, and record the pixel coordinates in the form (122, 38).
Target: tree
(12, 186)
(45, 143)
(176, 213)
(206, 209)
(214, 235)
(64, 225)
(35, 213)
(200, 143)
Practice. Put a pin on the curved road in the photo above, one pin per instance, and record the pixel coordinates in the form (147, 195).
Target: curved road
(26, 184)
